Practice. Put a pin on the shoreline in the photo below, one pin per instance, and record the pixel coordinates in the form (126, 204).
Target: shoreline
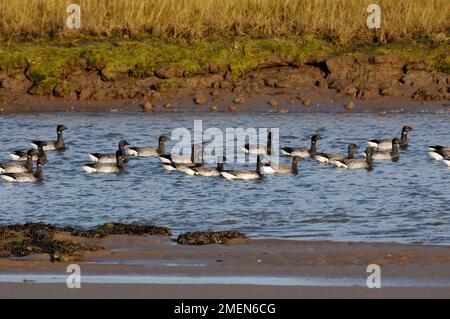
(311, 268)
(286, 104)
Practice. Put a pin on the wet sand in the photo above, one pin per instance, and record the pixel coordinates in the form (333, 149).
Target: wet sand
(321, 101)
(257, 269)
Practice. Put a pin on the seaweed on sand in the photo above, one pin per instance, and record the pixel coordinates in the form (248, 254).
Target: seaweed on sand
(121, 229)
(209, 238)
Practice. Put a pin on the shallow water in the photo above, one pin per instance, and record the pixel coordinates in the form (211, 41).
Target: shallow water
(407, 201)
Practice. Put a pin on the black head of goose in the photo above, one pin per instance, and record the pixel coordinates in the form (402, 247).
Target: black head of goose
(241, 174)
(57, 145)
(258, 149)
(150, 151)
(19, 167)
(110, 158)
(27, 177)
(303, 152)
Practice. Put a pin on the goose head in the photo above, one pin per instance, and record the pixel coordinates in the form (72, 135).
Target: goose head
(164, 138)
(406, 129)
(369, 152)
(32, 153)
(315, 138)
(61, 128)
(395, 142)
(352, 146)
(122, 144)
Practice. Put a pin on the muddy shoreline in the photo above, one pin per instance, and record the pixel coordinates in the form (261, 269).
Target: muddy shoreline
(424, 269)
(348, 83)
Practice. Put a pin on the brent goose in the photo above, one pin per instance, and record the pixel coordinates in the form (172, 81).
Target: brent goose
(386, 144)
(98, 167)
(303, 152)
(240, 174)
(357, 163)
(49, 145)
(27, 177)
(332, 157)
(149, 151)
(439, 152)
(259, 149)
(19, 167)
(393, 154)
(110, 158)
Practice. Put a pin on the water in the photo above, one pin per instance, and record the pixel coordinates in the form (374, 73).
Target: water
(401, 202)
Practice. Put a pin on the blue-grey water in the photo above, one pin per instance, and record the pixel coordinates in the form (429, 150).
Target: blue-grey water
(408, 201)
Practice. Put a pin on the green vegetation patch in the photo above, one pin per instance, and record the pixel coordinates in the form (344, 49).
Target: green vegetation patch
(50, 64)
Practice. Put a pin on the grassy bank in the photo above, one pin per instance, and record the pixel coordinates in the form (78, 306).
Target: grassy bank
(49, 62)
(339, 21)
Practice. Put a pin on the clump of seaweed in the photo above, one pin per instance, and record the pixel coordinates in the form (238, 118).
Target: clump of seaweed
(21, 240)
(209, 238)
(121, 229)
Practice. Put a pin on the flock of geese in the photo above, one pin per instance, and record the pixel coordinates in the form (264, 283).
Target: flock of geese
(20, 169)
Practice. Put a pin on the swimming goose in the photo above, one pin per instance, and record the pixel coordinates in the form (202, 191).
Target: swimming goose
(332, 157)
(49, 145)
(149, 151)
(98, 167)
(202, 170)
(439, 152)
(259, 149)
(303, 152)
(110, 158)
(21, 155)
(357, 163)
(19, 167)
(27, 177)
(386, 144)
(196, 160)
(240, 174)
(393, 155)
(286, 169)
(181, 159)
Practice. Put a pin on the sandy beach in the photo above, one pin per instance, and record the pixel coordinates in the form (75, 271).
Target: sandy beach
(156, 267)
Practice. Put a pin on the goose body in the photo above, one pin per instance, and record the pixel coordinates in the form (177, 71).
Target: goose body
(393, 155)
(21, 155)
(241, 174)
(26, 177)
(439, 152)
(386, 144)
(107, 168)
(302, 152)
(109, 158)
(286, 169)
(185, 168)
(19, 167)
(50, 145)
(149, 151)
(326, 158)
(196, 159)
(259, 149)
(191, 160)
(355, 163)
